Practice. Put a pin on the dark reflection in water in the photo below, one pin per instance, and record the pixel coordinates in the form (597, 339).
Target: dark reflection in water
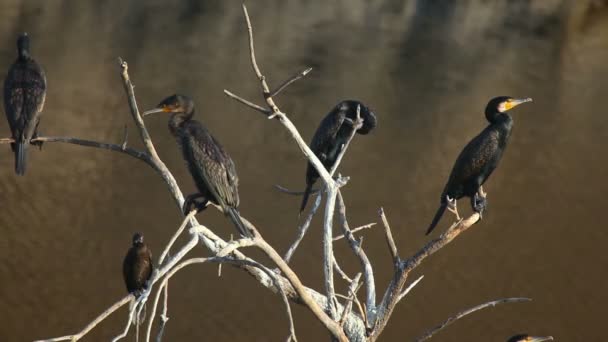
(427, 69)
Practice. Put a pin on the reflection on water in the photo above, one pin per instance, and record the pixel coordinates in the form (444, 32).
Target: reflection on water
(427, 69)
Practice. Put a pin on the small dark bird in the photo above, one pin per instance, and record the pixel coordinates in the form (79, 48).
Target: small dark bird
(332, 134)
(478, 159)
(211, 167)
(24, 94)
(137, 266)
(528, 338)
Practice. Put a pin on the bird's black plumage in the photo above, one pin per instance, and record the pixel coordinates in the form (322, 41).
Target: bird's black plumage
(479, 158)
(24, 94)
(528, 338)
(332, 134)
(211, 167)
(137, 266)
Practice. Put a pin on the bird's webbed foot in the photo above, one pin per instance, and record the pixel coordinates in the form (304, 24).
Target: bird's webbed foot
(452, 206)
(194, 201)
(479, 202)
(37, 143)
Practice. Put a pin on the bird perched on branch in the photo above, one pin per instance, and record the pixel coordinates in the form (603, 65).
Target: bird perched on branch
(331, 135)
(211, 167)
(137, 266)
(528, 338)
(24, 94)
(478, 159)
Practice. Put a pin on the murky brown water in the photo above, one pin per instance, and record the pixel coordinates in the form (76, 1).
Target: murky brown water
(426, 67)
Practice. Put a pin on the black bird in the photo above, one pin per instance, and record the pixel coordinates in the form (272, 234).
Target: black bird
(24, 94)
(478, 159)
(332, 134)
(528, 338)
(137, 266)
(211, 167)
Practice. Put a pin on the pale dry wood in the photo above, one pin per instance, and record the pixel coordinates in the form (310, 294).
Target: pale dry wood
(461, 314)
(389, 238)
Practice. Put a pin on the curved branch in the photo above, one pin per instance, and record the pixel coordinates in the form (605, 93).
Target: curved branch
(126, 299)
(461, 314)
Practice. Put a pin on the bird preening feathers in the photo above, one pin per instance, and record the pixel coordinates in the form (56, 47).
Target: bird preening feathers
(478, 159)
(24, 94)
(211, 167)
(331, 135)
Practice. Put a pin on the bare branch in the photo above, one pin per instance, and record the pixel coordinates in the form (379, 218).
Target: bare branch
(125, 138)
(90, 143)
(339, 270)
(303, 229)
(393, 291)
(175, 236)
(367, 226)
(461, 314)
(248, 103)
(290, 81)
(409, 288)
(126, 299)
(163, 317)
(368, 272)
(352, 292)
(162, 285)
(294, 192)
(389, 239)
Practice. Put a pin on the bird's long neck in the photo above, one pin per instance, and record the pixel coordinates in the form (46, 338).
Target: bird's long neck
(177, 120)
(24, 55)
(503, 123)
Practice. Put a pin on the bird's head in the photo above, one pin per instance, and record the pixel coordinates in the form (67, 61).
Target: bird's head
(138, 239)
(368, 116)
(502, 104)
(23, 46)
(528, 338)
(173, 104)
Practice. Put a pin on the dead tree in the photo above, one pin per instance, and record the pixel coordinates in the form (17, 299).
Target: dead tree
(345, 316)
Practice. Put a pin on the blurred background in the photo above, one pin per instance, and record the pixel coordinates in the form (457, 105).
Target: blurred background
(427, 68)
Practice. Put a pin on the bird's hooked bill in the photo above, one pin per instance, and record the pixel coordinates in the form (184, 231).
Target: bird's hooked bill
(152, 111)
(520, 101)
(539, 338)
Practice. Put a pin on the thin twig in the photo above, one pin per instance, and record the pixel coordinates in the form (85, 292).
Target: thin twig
(290, 81)
(409, 288)
(248, 103)
(367, 226)
(303, 229)
(126, 329)
(163, 284)
(461, 314)
(163, 317)
(175, 236)
(339, 270)
(389, 239)
(352, 293)
(294, 192)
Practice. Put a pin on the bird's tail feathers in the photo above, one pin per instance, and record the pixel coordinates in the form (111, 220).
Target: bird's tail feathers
(307, 192)
(235, 217)
(20, 157)
(437, 217)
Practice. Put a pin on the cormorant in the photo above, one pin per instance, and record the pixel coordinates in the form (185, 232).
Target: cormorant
(528, 338)
(137, 266)
(332, 134)
(478, 159)
(24, 94)
(211, 167)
